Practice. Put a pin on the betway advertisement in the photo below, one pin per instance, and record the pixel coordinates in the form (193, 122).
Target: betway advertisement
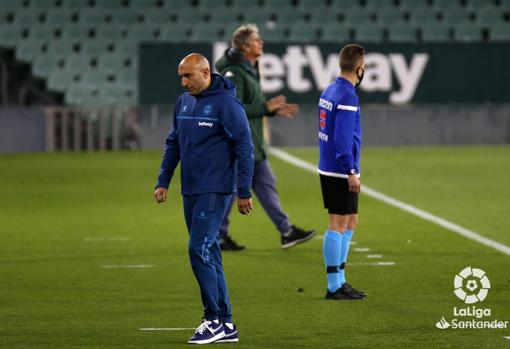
(395, 74)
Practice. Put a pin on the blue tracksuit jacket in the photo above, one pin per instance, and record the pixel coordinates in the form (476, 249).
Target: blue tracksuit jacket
(211, 137)
(339, 130)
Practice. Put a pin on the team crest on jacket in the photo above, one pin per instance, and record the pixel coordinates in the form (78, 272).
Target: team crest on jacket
(207, 109)
(322, 121)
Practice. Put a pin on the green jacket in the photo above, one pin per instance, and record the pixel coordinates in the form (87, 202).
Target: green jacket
(247, 80)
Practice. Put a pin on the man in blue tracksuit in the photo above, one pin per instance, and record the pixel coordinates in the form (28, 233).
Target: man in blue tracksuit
(339, 135)
(211, 138)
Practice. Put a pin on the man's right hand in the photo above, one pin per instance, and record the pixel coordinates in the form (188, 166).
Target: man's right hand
(276, 103)
(244, 205)
(354, 184)
(160, 194)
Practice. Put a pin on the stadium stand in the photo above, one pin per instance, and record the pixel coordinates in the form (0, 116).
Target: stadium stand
(71, 45)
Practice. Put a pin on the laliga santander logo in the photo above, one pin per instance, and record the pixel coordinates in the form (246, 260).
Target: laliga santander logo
(471, 285)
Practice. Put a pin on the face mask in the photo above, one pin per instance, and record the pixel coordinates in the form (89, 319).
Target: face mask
(360, 76)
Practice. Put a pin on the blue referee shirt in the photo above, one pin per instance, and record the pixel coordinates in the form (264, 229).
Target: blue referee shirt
(339, 130)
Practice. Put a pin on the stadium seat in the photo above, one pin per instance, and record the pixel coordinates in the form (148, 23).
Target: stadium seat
(336, 34)
(376, 5)
(41, 5)
(11, 6)
(109, 5)
(10, 35)
(60, 48)
(422, 16)
(75, 5)
(402, 32)
(389, 15)
(124, 17)
(59, 17)
(488, 16)
(76, 34)
(275, 34)
(93, 17)
(157, 17)
(208, 5)
(474, 5)
(80, 62)
(96, 47)
(258, 17)
(205, 33)
(41, 32)
(369, 33)
(27, 50)
(500, 32)
(112, 63)
(221, 16)
(358, 17)
(179, 5)
(95, 77)
(245, 4)
(311, 5)
(191, 16)
(26, 18)
(278, 5)
(409, 5)
(44, 66)
(436, 32)
(143, 5)
(61, 79)
(174, 33)
(505, 5)
(302, 32)
(467, 32)
(286, 16)
(330, 17)
(142, 32)
(110, 32)
(455, 16)
(447, 5)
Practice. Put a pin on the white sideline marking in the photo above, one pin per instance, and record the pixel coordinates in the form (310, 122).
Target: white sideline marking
(167, 329)
(361, 249)
(374, 256)
(127, 266)
(380, 264)
(119, 238)
(506, 337)
(402, 205)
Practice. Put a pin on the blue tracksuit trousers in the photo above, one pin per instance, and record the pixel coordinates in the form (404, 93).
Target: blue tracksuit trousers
(203, 214)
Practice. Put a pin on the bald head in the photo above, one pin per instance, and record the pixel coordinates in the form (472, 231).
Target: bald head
(195, 73)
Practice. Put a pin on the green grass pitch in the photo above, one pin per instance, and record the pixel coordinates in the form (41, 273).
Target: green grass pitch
(64, 217)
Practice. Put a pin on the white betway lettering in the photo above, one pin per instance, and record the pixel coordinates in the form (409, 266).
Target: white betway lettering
(323, 136)
(304, 69)
(347, 107)
(325, 104)
(206, 124)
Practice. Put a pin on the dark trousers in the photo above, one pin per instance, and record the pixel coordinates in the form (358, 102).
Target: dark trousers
(264, 186)
(203, 214)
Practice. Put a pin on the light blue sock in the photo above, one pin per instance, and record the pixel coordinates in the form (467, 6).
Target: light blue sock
(346, 242)
(331, 250)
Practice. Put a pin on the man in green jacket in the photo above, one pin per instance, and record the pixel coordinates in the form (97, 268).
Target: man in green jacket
(240, 65)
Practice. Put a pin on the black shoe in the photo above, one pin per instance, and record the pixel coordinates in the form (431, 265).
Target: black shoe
(360, 292)
(296, 236)
(227, 244)
(346, 292)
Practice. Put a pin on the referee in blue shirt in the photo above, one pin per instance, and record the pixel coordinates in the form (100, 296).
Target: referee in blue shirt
(340, 147)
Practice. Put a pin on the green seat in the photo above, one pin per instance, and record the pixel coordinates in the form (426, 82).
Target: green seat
(310, 5)
(42, 5)
(11, 6)
(125, 17)
(59, 17)
(275, 34)
(436, 32)
(126, 47)
(110, 32)
(500, 32)
(95, 47)
(475, 5)
(277, 5)
(191, 16)
(220, 16)
(93, 17)
(95, 77)
(178, 4)
(302, 32)
(75, 5)
(174, 33)
(10, 35)
(467, 32)
(44, 66)
(244, 4)
(42, 32)
(75, 34)
(447, 5)
(60, 48)
(157, 17)
(358, 17)
(210, 4)
(369, 34)
(205, 33)
(325, 18)
(289, 16)
(455, 16)
(142, 33)
(402, 32)
(422, 16)
(76, 61)
(376, 5)
(389, 16)
(505, 5)
(109, 5)
(27, 18)
(113, 63)
(336, 34)
(60, 80)
(409, 5)
(260, 17)
(488, 16)
(143, 5)
(28, 50)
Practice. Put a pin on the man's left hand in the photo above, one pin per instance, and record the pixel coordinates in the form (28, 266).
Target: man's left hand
(288, 110)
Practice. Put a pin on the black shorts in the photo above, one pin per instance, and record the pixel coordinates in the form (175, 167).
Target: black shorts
(337, 197)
